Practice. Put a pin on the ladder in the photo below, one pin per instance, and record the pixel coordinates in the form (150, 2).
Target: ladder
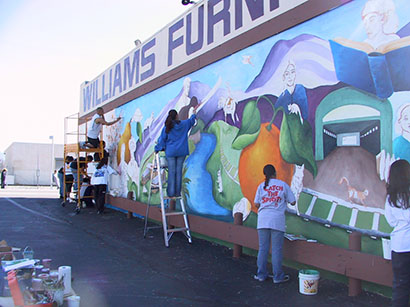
(156, 171)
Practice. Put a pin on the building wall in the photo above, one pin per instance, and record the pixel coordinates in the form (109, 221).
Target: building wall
(31, 163)
(309, 100)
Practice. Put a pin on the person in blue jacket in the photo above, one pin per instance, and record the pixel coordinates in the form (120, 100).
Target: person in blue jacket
(174, 141)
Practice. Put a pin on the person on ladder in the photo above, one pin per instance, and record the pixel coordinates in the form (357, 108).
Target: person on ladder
(174, 141)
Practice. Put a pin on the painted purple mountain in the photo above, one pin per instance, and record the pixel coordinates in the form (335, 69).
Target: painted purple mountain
(313, 60)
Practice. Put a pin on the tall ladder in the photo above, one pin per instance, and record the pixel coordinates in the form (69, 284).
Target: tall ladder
(157, 168)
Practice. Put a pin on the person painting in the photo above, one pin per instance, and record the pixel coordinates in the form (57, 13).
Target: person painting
(94, 129)
(68, 179)
(271, 200)
(100, 180)
(174, 140)
(397, 213)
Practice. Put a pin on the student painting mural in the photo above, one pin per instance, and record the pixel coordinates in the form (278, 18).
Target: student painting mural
(330, 114)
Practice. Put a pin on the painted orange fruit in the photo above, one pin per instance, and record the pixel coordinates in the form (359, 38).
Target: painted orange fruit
(265, 150)
(125, 139)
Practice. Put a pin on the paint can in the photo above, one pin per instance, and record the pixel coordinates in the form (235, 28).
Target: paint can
(73, 301)
(308, 282)
(38, 269)
(45, 271)
(47, 263)
(44, 276)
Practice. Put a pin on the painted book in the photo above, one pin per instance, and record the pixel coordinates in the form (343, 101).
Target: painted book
(380, 71)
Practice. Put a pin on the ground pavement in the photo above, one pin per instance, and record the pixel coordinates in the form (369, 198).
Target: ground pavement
(112, 265)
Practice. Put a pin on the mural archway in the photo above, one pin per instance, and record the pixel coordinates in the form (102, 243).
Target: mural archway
(349, 117)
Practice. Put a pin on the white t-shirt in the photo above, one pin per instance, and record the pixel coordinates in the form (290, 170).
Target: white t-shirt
(399, 219)
(100, 176)
(67, 169)
(94, 128)
(273, 202)
(91, 167)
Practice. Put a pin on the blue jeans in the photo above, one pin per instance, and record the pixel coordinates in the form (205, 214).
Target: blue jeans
(175, 165)
(266, 236)
(61, 180)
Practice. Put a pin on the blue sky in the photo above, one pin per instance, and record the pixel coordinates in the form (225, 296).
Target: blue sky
(49, 47)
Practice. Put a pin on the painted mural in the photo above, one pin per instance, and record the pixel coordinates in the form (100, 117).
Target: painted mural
(327, 102)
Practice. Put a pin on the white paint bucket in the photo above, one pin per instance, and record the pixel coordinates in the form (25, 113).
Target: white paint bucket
(386, 249)
(73, 301)
(308, 282)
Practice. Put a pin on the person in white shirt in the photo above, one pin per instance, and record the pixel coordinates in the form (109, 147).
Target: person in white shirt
(397, 213)
(271, 200)
(100, 180)
(94, 129)
(69, 179)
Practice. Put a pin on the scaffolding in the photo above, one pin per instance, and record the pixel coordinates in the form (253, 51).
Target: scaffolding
(75, 135)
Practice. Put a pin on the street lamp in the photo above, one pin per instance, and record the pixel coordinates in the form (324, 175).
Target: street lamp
(51, 137)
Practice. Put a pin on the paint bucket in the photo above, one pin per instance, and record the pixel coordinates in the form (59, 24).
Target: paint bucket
(308, 282)
(386, 248)
(73, 301)
(28, 253)
(38, 269)
(163, 162)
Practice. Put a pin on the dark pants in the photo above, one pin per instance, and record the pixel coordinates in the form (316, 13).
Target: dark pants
(69, 183)
(401, 278)
(99, 196)
(94, 142)
(88, 192)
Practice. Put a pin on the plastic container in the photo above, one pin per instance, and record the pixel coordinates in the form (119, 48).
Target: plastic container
(386, 248)
(308, 282)
(28, 253)
(73, 301)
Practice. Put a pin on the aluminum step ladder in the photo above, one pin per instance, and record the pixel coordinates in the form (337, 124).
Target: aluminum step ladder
(159, 166)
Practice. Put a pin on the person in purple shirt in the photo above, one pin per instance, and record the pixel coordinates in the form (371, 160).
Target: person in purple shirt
(174, 141)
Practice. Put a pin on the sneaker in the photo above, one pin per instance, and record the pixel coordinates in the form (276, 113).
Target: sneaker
(258, 278)
(285, 279)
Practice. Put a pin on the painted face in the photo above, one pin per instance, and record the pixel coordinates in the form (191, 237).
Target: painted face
(289, 75)
(404, 121)
(373, 23)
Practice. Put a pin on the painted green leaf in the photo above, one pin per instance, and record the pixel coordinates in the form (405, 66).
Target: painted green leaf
(295, 142)
(139, 132)
(251, 123)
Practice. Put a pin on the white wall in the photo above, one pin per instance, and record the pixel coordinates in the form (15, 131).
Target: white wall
(31, 163)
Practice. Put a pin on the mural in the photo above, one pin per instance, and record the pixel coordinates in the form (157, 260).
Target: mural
(328, 105)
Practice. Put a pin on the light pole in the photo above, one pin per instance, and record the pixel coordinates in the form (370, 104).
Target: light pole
(51, 137)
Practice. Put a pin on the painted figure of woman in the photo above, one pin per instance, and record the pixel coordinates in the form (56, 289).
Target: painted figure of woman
(293, 99)
(401, 144)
